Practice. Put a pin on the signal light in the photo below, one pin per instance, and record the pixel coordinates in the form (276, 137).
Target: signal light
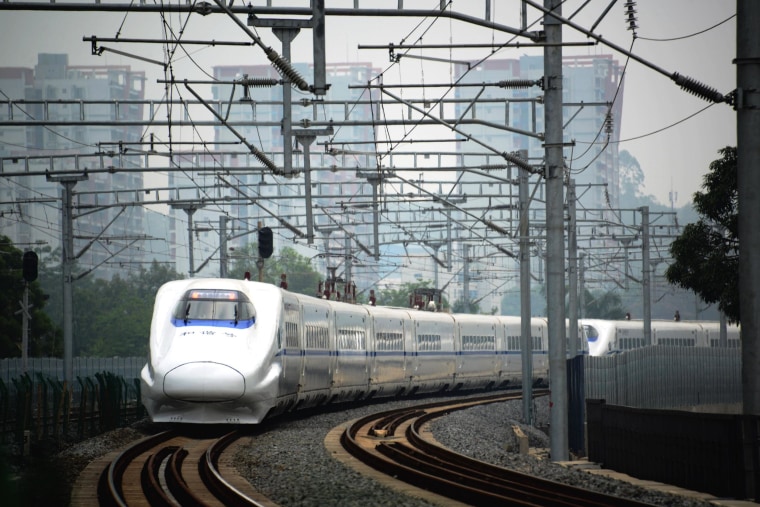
(266, 248)
(29, 266)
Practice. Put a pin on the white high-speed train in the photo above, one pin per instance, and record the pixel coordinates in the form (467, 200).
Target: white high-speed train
(236, 351)
(615, 336)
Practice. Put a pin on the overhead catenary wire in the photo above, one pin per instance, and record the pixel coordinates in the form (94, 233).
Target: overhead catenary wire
(280, 63)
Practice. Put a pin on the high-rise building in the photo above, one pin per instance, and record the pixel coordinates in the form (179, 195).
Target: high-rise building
(257, 114)
(508, 120)
(57, 91)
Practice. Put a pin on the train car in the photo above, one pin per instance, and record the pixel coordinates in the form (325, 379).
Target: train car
(236, 351)
(615, 336)
(712, 335)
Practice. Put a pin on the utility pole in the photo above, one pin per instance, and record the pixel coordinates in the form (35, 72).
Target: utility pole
(526, 344)
(555, 238)
(190, 208)
(25, 318)
(572, 257)
(466, 277)
(223, 246)
(646, 281)
(67, 259)
(306, 138)
(748, 159)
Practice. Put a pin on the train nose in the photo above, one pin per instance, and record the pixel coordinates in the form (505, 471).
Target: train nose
(204, 381)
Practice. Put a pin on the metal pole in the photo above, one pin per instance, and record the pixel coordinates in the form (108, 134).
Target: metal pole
(572, 255)
(375, 216)
(582, 287)
(191, 268)
(466, 277)
(748, 153)
(318, 38)
(306, 141)
(646, 275)
(526, 343)
(286, 35)
(67, 223)
(223, 246)
(555, 238)
(25, 329)
(67, 261)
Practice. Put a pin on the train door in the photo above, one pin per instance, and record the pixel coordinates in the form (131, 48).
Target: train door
(350, 372)
(476, 344)
(388, 361)
(291, 356)
(511, 352)
(317, 370)
(540, 346)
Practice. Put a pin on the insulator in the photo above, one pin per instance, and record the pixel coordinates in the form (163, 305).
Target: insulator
(495, 227)
(510, 157)
(265, 160)
(282, 65)
(259, 82)
(517, 83)
(699, 89)
(492, 167)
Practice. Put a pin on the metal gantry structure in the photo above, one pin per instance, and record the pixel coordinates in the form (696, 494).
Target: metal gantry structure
(500, 202)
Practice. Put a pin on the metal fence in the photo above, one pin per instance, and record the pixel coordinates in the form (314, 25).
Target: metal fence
(51, 367)
(712, 453)
(666, 377)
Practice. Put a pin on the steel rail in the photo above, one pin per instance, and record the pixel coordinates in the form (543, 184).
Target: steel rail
(432, 467)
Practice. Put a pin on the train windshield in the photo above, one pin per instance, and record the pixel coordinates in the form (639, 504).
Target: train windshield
(592, 333)
(225, 306)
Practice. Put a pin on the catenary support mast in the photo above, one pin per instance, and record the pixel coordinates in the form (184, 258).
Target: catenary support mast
(555, 238)
(748, 153)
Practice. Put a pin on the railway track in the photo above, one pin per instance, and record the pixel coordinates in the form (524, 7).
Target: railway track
(394, 443)
(170, 469)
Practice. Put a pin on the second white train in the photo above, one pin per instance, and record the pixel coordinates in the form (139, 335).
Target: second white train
(616, 336)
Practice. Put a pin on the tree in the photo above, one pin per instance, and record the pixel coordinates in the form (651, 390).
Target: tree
(706, 254)
(44, 338)
(301, 276)
(632, 183)
(603, 305)
(111, 317)
(400, 296)
(464, 306)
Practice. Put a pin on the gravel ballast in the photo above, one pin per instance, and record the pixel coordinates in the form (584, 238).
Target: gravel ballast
(291, 465)
(288, 462)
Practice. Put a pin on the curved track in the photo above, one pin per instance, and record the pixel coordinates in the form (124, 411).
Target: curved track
(170, 469)
(393, 443)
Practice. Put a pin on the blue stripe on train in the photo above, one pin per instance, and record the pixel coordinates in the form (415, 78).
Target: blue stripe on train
(242, 324)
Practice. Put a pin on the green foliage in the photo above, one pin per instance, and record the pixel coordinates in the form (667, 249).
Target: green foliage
(301, 276)
(706, 254)
(44, 338)
(400, 297)
(603, 305)
(111, 317)
(464, 306)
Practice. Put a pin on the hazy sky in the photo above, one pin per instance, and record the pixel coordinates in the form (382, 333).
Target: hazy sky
(672, 158)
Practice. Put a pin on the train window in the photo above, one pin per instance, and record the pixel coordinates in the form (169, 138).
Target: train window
(351, 339)
(316, 337)
(215, 304)
(428, 342)
(731, 344)
(631, 343)
(389, 341)
(592, 333)
(291, 334)
(478, 342)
